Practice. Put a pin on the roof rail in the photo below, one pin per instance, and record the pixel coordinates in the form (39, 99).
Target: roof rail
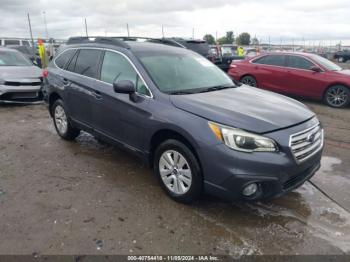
(97, 40)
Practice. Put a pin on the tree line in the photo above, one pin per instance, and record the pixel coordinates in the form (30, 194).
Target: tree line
(242, 39)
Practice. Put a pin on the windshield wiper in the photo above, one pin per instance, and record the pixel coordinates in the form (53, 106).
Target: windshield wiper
(180, 93)
(215, 88)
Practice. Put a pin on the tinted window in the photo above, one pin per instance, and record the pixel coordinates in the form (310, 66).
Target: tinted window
(11, 42)
(116, 67)
(25, 42)
(72, 63)
(63, 59)
(88, 62)
(299, 62)
(277, 60)
(197, 46)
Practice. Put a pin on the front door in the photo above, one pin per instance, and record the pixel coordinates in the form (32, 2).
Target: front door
(117, 115)
(303, 80)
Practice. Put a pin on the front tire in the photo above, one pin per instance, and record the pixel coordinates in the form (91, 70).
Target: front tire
(249, 80)
(341, 59)
(178, 171)
(337, 96)
(61, 121)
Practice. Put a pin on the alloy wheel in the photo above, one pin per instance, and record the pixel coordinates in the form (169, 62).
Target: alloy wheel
(248, 80)
(61, 120)
(337, 96)
(175, 172)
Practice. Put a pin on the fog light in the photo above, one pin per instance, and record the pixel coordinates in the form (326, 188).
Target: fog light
(250, 189)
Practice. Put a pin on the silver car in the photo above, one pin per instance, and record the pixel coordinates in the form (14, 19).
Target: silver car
(20, 80)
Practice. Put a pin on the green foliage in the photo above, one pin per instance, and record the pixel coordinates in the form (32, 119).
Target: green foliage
(243, 39)
(209, 39)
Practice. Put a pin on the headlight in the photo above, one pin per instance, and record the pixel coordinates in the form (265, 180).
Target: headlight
(241, 140)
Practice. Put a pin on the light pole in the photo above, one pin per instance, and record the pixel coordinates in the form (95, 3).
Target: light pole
(46, 31)
(86, 30)
(31, 33)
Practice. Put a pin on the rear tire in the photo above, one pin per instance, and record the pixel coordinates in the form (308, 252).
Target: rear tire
(337, 96)
(178, 171)
(61, 121)
(249, 80)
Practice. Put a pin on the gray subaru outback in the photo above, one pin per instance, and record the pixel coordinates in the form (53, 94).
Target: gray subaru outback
(185, 118)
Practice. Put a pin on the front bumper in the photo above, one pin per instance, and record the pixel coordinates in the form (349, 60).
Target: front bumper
(21, 94)
(227, 172)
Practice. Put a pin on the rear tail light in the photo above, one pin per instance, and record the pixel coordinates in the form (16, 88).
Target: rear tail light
(45, 73)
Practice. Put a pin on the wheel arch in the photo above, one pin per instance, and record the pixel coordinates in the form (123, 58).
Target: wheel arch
(248, 74)
(52, 98)
(164, 134)
(334, 84)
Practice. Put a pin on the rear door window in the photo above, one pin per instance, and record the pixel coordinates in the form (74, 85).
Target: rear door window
(275, 60)
(299, 62)
(87, 63)
(64, 58)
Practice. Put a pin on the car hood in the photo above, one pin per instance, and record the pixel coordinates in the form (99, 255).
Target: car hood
(244, 107)
(19, 72)
(343, 72)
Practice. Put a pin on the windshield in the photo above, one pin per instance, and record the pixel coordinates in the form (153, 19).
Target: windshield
(184, 72)
(329, 65)
(13, 59)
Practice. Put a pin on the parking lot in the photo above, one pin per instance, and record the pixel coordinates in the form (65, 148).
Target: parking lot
(85, 197)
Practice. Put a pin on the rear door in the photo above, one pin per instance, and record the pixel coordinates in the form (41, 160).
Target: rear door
(270, 72)
(115, 115)
(303, 80)
(80, 80)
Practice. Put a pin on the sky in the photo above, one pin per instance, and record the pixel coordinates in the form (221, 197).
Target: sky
(281, 21)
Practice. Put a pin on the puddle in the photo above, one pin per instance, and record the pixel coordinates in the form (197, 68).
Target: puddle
(299, 220)
(328, 163)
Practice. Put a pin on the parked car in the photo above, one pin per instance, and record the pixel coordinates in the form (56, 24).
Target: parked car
(342, 56)
(27, 51)
(228, 54)
(20, 80)
(298, 74)
(14, 41)
(185, 118)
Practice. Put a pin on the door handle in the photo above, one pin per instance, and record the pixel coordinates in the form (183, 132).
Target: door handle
(97, 94)
(66, 82)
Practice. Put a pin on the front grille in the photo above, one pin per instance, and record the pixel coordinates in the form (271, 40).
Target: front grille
(306, 143)
(14, 83)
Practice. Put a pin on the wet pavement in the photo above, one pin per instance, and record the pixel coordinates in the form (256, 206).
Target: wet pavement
(84, 197)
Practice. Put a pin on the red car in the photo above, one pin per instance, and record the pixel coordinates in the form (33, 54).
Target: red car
(299, 74)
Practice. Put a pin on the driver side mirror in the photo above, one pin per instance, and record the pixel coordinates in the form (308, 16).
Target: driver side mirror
(315, 69)
(124, 87)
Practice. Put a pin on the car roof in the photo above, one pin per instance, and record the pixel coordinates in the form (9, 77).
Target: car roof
(133, 46)
(289, 53)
